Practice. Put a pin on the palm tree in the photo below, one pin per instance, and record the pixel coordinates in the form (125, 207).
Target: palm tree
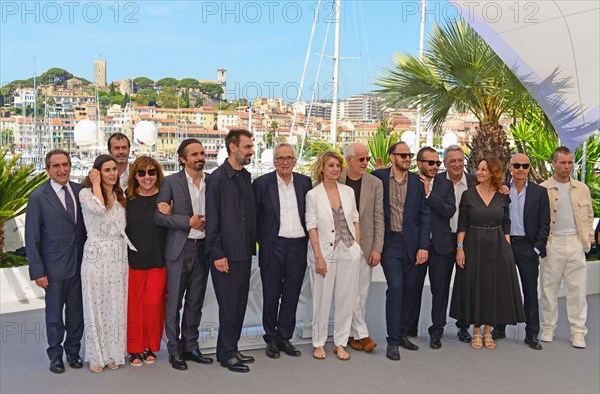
(459, 70)
(16, 186)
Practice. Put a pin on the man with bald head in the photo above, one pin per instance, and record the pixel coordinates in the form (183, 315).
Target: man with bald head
(529, 229)
(368, 192)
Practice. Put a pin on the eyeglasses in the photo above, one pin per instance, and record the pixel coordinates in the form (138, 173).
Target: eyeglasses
(363, 159)
(431, 162)
(404, 155)
(142, 173)
(283, 159)
(525, 166)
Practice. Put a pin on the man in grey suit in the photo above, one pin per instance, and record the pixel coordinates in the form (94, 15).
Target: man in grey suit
(187, 267)
(54, 238)
(368, 191)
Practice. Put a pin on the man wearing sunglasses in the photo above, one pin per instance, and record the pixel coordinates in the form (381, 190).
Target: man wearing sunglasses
(406, 243)
(529, 229)
(368, 192)
(281, 233)
(439, 193)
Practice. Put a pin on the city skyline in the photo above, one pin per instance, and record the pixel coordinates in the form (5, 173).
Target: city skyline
(261, 44)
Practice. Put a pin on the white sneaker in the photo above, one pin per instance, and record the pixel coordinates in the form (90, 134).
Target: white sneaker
(547, 335)
(578, 340)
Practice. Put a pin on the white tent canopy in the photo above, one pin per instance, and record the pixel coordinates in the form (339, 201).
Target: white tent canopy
(553, 47)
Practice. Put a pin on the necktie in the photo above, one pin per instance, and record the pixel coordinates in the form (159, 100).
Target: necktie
(69, 203)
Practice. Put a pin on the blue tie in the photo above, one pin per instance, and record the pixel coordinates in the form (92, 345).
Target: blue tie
(69, 204)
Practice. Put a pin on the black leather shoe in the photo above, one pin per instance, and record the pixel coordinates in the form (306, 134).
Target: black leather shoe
(74, 361)
(407, 344)
(244, 359)
(533, 342)
(392, 352)
(234, 365)
(498, 334)
(463, 335)
(288, 348)
(56, 365)
(196, 356)
(272, 351)
(178, 363)
(435, 342)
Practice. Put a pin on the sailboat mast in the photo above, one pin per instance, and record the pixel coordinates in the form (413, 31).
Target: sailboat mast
(336, 73)
(421, 45)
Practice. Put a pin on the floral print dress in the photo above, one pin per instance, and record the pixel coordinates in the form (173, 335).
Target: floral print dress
(104, 275)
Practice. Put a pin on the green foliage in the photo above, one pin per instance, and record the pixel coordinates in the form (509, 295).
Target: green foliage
(211, 89)
(222, 106)
(104, 101)
(189, 83)
(167, 82)
(8, 260)
(16, 185)
(145, 97)
(167, 98)
(198, 102)
(57, 76)
(380, 144)
(143, 83)
(118, 98)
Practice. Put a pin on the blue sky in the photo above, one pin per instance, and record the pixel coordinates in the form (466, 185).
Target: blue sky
(262, 44)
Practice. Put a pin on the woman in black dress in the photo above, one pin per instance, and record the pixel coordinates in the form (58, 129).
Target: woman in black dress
(147, 275)
(486, 289)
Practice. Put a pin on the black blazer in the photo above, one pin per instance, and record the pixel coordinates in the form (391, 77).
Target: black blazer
(416, 223)
(266, 199)
(442, 202)
(537, 216)
(53, 242)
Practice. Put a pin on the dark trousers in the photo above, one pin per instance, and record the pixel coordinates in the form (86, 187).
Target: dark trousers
(401, 276)
(187, 276)
(64, 294)
(282, 270)
(231, 289)
(528, 264)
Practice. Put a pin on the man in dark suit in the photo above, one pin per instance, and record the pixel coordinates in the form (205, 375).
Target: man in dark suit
(230, 244)
(439, 196)
(406, 243)
(119, 148)
(185, 260)
(454, 161)
(54, 238)
(282, 238)
(529, 230)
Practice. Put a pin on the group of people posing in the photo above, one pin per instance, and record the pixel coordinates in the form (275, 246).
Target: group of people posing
(125, 251)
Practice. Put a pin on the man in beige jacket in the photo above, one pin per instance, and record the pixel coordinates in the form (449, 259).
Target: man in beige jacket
(368, 192)
(571, 235)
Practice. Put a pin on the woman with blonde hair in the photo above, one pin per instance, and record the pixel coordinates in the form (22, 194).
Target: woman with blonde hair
(333, 254)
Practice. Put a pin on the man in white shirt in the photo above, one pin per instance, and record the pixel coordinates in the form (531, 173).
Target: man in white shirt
(571, 236)
(279, 197)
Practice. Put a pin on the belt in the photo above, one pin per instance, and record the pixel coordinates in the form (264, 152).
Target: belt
(196, 240)
(518, 237)
(486, 228)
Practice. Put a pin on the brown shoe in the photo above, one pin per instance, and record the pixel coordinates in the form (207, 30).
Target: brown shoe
(354, 344)
(368, 344)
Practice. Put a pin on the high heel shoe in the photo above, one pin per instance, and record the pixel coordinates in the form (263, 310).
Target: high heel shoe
(476, 341)
(489, 341)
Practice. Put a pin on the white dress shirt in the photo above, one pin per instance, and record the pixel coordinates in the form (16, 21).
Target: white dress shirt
(57, 187)
(289, 216)
(459, 189)
(198, 198)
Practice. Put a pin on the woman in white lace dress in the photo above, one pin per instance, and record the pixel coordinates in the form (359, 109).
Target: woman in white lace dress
(105, 267)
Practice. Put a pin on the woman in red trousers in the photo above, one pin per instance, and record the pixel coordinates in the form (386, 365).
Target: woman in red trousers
(147, 274)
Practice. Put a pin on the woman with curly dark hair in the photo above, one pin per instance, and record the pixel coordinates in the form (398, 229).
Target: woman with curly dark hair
(486, 288)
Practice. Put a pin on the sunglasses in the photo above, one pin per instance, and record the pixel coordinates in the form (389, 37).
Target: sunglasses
(363, 159)
(142, 173)
(431, 162)
(516, 166)
(404, 155)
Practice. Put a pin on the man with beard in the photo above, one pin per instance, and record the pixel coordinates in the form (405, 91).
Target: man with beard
(118, 147)
(185, 260)
(230, 244)
(439, 196)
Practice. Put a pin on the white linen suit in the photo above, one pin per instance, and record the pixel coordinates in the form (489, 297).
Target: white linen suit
(341, 279)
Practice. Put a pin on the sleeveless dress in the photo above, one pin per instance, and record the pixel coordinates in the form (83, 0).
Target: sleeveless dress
(487, 290)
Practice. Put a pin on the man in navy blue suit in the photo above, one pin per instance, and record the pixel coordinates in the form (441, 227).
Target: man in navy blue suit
(279, 197)
(406, 243)
(529, 230)
(54, 238)
(439, 195)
